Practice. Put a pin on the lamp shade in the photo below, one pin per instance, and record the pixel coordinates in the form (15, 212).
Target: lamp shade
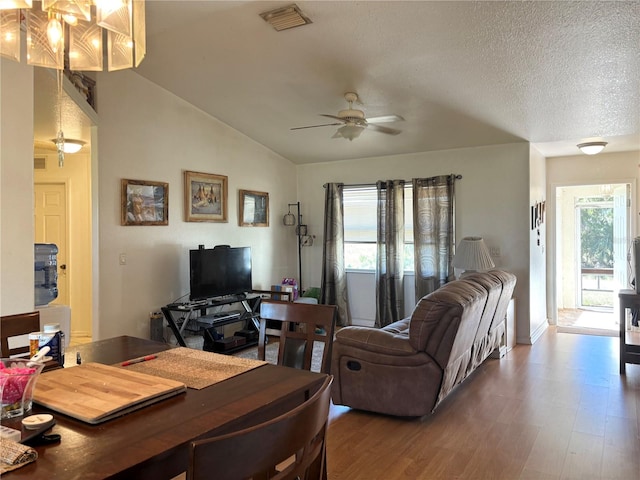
(473, 254)
(289, 219)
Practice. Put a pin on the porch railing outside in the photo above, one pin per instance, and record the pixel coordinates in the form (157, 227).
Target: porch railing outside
(597, 287)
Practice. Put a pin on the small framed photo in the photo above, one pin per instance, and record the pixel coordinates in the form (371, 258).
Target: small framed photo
(254, 209)
(205, 197)
(144, 203)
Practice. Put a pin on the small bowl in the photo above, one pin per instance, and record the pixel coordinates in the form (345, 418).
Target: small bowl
(34, 422)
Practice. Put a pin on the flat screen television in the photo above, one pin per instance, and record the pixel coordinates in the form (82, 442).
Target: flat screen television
(219, 271)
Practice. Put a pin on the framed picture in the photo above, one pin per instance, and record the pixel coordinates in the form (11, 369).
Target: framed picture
(254, 209)
(205, 197)
(144, 203)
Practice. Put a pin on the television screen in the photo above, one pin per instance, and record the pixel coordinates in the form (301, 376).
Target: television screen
(219, 271)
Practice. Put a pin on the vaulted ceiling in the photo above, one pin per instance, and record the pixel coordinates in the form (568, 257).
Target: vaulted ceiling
(461, 74)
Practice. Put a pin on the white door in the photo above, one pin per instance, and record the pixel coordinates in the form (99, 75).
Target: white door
(51, 227)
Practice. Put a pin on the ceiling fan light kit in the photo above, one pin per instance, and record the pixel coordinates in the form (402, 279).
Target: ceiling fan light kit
(591, 148)
(350, 131)
(355, 121)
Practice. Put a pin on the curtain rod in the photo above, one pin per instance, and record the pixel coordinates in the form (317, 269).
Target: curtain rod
(359, 185)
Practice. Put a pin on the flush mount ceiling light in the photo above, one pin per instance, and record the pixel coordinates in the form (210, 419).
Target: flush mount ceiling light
(69, 145)
(592, 148)
(285, 17)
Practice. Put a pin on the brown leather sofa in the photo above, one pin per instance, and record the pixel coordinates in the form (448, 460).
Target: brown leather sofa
(408, 368)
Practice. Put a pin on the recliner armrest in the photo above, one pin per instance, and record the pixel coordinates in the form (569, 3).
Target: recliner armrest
(375, 340)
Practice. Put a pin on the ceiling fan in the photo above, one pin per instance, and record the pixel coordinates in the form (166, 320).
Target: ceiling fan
(354, 122)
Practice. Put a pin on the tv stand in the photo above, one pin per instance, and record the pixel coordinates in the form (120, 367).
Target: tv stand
(194, 317)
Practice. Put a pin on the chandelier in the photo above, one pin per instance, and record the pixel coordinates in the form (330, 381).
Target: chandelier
(74, 35)
(74, 31)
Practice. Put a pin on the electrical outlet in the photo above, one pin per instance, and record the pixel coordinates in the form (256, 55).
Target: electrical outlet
(494, 251)
(123, 259)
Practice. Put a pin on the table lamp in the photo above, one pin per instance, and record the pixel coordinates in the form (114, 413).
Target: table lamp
(472, 255)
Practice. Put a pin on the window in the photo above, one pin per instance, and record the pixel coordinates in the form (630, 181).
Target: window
(360, 227)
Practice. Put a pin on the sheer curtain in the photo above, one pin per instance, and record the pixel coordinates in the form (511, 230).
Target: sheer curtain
(433, 231)
(334, 276)
(390, 252)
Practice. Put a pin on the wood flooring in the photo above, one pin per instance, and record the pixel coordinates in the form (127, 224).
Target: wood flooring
(556, 410)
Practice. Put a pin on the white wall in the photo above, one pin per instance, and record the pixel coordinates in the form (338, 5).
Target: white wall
(537, 248)
(604, 168)
(147, 133)
(16, 188)
(492, 200)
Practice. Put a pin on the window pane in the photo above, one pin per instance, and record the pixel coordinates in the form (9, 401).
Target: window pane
(408, 217)
(360, 225)
(360, 208)
(408, 257)
(361, 256)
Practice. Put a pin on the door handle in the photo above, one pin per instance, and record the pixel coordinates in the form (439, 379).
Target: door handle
(63, 267)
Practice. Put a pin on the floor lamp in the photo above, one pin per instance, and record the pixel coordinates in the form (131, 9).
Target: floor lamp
(301, 230)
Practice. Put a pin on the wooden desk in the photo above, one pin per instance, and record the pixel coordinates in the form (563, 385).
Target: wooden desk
(629, 353)
(152, 443)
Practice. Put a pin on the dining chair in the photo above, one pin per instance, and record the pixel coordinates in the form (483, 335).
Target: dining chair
(301, 326)
(289, 446)
(14, 333)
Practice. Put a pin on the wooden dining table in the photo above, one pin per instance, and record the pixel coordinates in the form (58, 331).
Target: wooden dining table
(153, 442)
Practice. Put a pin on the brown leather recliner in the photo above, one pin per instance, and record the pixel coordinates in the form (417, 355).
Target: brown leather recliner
(408, 368)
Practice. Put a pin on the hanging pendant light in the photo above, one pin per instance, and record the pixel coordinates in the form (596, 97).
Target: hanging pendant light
(48, 27)
(65, 34)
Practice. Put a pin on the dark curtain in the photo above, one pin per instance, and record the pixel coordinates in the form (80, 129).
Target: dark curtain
(334, 276)
(390, 253)
(433, 232)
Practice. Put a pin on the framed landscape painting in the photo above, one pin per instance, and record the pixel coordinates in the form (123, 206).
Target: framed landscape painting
(144, 203)
(205, 197)
(253, 209)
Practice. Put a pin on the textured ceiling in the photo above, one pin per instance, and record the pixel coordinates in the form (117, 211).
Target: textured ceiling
(461, 73)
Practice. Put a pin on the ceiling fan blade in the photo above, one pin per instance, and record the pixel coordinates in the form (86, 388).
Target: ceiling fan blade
(332, 116)
(381, 129)
(385, 119)
(314, 126)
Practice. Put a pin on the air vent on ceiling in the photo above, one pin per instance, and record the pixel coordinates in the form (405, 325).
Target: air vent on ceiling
(39, 163)
(285, 17)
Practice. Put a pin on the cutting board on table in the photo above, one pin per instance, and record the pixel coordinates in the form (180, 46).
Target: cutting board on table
(95, 393)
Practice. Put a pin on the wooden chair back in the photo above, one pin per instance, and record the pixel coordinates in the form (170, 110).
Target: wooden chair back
(289, 446)
(14, 329)
(301, 325)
